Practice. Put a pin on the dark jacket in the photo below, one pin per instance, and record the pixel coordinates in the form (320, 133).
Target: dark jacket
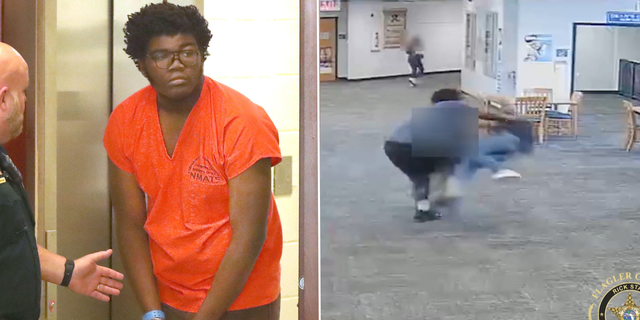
(19, 262)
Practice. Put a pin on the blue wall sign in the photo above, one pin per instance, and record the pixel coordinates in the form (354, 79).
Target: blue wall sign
(623, 17)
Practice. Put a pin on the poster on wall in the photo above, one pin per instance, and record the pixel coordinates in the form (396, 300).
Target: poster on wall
(469, 42)
(490, 44)
(395, 24)
(326, 60)
(562, 54)
(329, 5)
(375, 42)
(499, 63)
(539, 48)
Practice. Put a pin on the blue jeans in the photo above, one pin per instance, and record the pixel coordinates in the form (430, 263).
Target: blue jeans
(493, 151)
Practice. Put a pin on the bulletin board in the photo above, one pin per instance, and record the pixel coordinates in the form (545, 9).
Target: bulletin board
(395, 24)
(470, 41)
(490, 44)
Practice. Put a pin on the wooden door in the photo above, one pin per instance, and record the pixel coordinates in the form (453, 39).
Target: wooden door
(328, 49)
(17, 148)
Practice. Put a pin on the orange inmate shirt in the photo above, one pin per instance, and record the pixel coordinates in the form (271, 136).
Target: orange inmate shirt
(188, 195)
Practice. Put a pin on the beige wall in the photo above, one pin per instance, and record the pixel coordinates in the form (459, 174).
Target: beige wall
(255, 50)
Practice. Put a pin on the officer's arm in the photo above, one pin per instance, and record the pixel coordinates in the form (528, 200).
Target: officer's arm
(52, 265)
(88, 278)
(129, 207)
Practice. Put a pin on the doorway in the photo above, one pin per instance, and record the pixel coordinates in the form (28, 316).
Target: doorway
(328, 49)
(598, 49)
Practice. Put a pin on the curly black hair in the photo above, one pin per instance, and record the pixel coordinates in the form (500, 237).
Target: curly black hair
(446, 95)
(162, 19)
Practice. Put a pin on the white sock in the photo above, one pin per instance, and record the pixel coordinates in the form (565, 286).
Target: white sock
(423, 205)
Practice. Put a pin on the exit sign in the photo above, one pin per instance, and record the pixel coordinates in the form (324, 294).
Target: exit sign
(329, 5)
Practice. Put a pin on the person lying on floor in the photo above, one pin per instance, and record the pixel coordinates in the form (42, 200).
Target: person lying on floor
(500, 143)
(399, 148)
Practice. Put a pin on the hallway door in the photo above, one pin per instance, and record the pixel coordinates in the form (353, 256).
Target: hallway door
(67, 108)
(328, 49)
(594, 67)
(83, 95)
(562, 87)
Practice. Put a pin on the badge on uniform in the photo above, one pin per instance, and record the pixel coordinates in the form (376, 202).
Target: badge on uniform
(10, 169)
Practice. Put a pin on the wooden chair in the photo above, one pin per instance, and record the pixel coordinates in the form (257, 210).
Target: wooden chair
(565, 121)
(632, 126)
(534, 109)
(477, 99)
(539, 92)
(577, 98)
(499, 102)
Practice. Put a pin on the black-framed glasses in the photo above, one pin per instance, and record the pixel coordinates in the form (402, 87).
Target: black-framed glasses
(164, 60)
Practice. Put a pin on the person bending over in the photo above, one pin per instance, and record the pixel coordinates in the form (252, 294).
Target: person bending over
(399, 148)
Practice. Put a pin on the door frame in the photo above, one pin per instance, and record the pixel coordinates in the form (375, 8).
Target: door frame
(308, 288)
(573, 43)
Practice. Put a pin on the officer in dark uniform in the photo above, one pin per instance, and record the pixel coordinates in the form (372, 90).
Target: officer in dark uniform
(19, 262)
(23, 263)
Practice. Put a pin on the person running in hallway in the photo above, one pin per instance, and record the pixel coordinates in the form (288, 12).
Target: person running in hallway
(24, 263)
(415, 56)
(399, 148)
(208, 244)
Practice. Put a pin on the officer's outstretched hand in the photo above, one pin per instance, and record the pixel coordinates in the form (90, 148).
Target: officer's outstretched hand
(93, 280)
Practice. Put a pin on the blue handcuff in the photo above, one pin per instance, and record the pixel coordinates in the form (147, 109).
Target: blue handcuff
(155, 314)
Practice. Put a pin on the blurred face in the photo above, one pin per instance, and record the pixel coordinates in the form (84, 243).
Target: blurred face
(12, 107)
(173, 65)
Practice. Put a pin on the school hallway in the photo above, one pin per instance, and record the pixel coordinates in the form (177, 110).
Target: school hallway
(529, 249)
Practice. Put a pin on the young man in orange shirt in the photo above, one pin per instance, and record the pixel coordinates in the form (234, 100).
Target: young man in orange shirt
(190, 180)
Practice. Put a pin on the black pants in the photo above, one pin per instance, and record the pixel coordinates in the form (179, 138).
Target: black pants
(417, 169)
(415, 62)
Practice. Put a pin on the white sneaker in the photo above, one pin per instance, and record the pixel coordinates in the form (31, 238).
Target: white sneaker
(412, 82)
(423, 205)
(506, 174)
